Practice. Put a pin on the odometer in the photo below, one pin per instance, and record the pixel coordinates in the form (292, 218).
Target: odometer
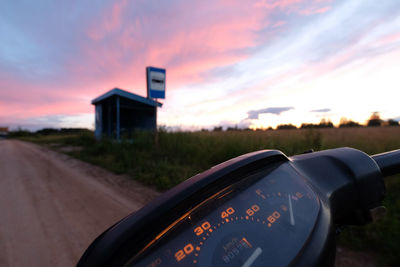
(269, 215)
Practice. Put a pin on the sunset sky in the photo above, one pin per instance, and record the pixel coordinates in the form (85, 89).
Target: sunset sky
(246, 63)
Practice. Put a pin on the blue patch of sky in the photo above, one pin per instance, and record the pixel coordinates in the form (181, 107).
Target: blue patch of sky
(42, 36)
(344, 26)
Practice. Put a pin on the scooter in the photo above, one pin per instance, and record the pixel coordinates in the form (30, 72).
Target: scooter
(259, 209)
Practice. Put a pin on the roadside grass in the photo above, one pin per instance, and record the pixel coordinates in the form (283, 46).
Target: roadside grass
(383, 237)
(180, 155)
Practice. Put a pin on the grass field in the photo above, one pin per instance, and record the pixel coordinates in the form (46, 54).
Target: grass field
(178, 156)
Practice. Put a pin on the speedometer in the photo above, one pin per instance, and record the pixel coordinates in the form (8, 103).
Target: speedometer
(257, 221)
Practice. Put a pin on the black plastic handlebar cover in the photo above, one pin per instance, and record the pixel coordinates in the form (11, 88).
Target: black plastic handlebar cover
(350, 180)
(388, 162)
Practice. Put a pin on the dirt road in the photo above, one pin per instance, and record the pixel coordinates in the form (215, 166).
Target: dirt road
(53, 206)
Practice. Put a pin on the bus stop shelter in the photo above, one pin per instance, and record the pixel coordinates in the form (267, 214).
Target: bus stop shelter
(118, 113)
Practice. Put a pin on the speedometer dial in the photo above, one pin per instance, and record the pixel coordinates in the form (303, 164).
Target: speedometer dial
(256, 222)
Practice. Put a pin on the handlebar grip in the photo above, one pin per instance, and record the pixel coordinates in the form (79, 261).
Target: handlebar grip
(388, 162)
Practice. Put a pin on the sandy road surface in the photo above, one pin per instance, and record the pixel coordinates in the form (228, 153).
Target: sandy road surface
(53, 206)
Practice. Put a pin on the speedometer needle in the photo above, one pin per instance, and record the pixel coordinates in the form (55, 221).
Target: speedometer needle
(291, 211)
(252, 257)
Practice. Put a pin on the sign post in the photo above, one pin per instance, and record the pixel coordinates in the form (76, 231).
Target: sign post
(155, 88)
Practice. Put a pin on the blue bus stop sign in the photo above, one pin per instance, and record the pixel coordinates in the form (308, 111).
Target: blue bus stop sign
(155, 82)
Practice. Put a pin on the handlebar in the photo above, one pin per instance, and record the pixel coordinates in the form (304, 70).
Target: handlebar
(388, 162)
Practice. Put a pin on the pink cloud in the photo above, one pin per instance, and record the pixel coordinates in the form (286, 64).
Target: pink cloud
(215, 35)
(303, 7)
(111, 22)
(21, 100)
(313, 11)
(387, 39)
(219, 39)
(278, 24)
(113, 48)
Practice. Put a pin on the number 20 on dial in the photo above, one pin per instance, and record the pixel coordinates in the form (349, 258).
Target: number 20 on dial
(181, 254)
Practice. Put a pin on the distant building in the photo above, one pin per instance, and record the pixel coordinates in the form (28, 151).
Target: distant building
(118, 112)
(3, 131)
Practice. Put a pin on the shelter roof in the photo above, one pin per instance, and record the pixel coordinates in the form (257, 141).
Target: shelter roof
(128, 95)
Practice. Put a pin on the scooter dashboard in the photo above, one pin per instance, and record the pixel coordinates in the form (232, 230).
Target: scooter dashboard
(261, 220)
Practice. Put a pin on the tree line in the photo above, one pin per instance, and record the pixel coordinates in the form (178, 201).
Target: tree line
(374, 121)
